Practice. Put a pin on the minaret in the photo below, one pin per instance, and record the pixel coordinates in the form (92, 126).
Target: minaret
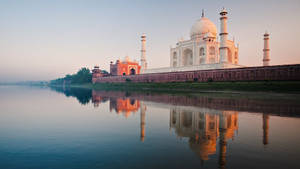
(266, 59)
(143, 54)
(223, 37)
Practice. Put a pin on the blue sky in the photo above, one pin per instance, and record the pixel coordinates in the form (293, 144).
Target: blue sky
(46, 39)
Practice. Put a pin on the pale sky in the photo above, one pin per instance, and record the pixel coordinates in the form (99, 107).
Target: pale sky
(46, 39)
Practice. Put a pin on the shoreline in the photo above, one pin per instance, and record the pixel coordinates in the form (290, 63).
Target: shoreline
(231, 87)
(256, 89)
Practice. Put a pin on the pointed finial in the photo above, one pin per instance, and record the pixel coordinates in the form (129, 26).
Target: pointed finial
(202, 13)
(223, 12)
(266, 33)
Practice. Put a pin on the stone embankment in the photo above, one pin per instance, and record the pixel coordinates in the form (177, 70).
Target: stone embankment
(261, 73)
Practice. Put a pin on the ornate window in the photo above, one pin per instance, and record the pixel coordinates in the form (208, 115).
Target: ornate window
(202, 60)
(174, 55)
(201, 52)
(211, 50)
(174, 63)
(229, 55)
(187, 57)
(174, 59)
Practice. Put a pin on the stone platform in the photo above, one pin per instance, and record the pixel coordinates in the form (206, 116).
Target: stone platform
(193, 68)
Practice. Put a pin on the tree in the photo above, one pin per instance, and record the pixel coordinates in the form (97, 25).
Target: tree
(84, 75)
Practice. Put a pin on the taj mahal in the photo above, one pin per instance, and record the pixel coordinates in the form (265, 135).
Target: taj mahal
(203, 46)
(204, 56)
(203, 50)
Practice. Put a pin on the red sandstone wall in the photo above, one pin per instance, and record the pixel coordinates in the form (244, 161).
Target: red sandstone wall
(282, 72)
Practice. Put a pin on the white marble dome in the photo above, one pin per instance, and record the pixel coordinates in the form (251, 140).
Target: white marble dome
(203, 26)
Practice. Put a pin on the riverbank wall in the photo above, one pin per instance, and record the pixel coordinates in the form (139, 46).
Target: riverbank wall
(261, 73)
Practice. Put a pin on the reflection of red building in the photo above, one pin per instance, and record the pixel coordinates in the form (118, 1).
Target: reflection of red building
(97, 99)
(125, 67)
(126, 106)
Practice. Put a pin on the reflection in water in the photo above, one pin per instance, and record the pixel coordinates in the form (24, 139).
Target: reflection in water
(82, 95)
(266, 129)
(216, 131)
(125, 106)
(205, 128)
(143, 122)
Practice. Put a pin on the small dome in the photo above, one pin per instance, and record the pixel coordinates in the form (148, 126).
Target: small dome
(126, 59)
(203, 26)
(209, 35)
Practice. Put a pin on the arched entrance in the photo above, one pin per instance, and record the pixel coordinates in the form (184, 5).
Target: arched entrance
(132, 71)
(187, 57)
(174, 59)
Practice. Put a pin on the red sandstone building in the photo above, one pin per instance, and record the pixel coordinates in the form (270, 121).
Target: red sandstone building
(125, 67)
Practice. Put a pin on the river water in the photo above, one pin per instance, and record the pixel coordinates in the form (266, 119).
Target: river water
(44, 128)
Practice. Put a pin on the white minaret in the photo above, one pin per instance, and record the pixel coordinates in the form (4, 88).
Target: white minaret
(223, 37)
(266, 59)
(143, 54)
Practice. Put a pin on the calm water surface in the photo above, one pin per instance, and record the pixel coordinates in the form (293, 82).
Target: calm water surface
(76, 128)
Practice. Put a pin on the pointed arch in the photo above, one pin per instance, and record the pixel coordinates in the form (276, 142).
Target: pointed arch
(187, 57)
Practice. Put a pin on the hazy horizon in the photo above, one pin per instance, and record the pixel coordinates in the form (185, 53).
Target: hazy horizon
(44, 40)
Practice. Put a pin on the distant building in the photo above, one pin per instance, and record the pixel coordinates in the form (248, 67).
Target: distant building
(125, 67)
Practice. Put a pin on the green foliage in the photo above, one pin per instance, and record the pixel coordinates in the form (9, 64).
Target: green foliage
(104, 72)
(84, 75)
(210, 80)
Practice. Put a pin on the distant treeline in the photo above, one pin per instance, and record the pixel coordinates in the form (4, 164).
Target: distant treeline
(84, 75)
(26, 83)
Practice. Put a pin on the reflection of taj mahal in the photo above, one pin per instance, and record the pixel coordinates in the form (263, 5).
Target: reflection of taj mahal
(206, 129)
(203, 130)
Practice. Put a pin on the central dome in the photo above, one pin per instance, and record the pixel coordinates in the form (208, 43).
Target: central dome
(203, 26)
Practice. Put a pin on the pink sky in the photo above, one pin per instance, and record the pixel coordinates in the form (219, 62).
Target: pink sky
(46, 40)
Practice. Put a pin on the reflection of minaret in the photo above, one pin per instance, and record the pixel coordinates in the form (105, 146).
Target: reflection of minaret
(223, 142)
(143, 113)
(266, 129)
